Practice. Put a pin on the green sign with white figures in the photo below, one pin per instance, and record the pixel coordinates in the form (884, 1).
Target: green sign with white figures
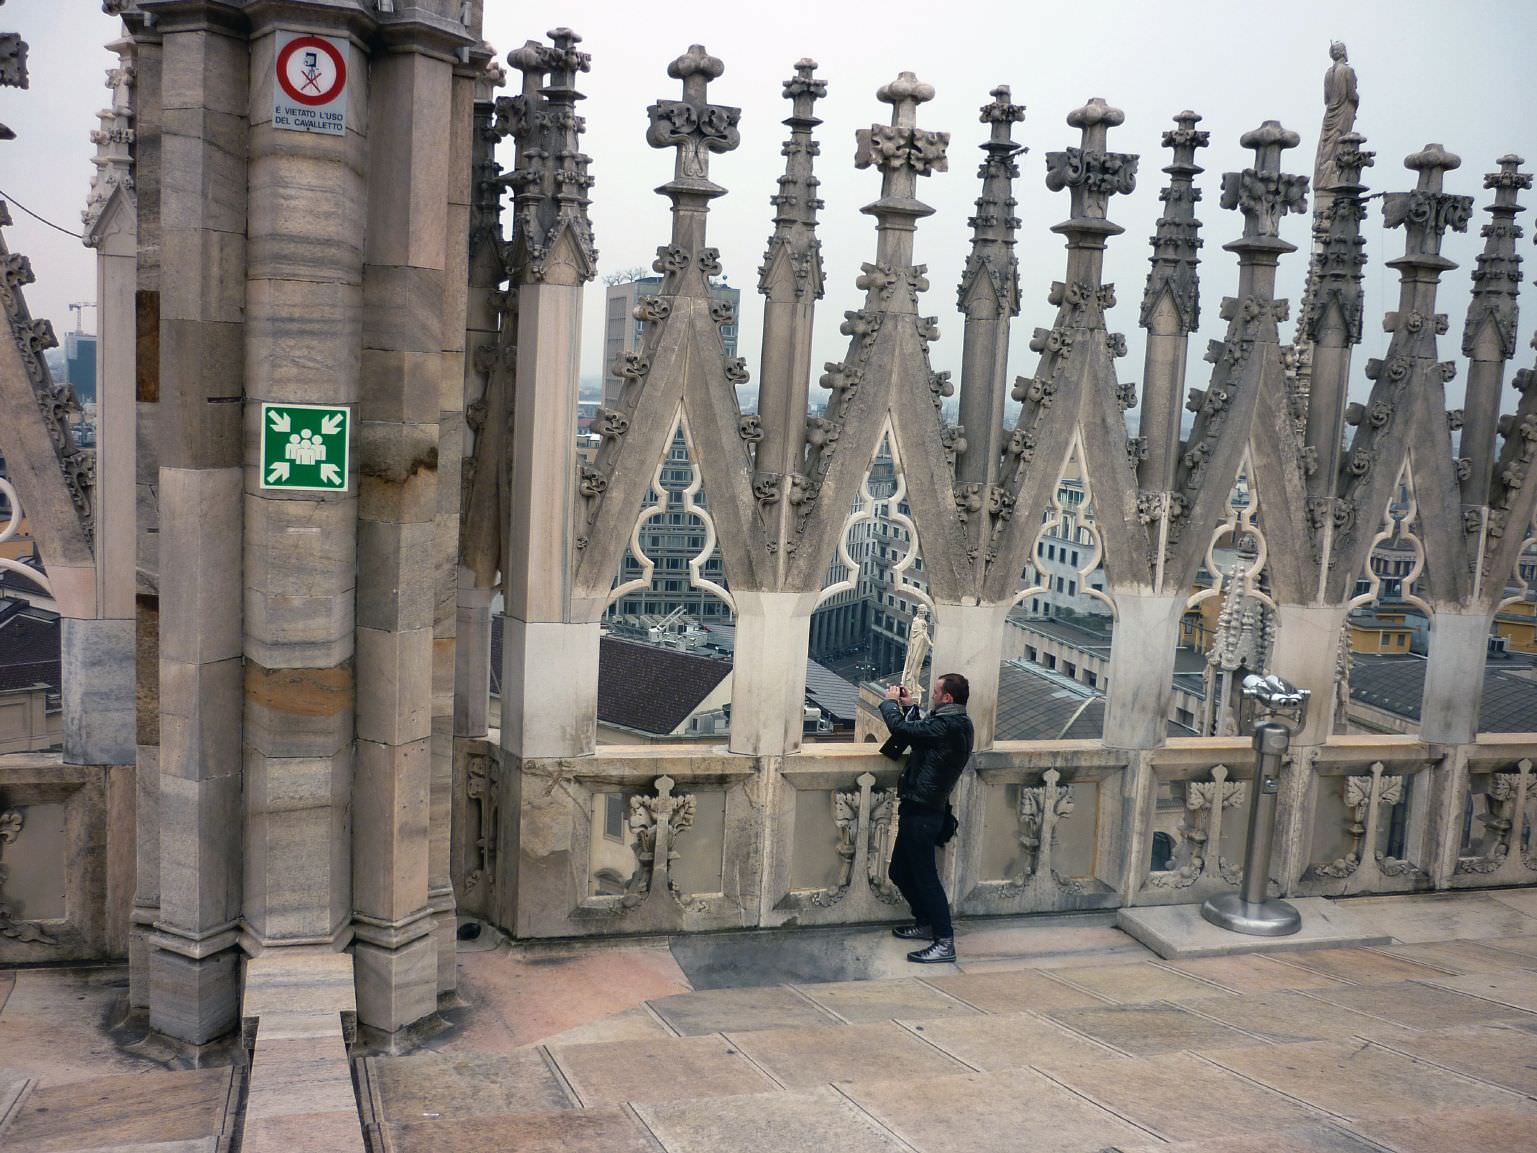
(304, 447)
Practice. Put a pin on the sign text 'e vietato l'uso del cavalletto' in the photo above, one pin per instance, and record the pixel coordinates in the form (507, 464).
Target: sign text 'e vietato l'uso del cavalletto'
(310, 93)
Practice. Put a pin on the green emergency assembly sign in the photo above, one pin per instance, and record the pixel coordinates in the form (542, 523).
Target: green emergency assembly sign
(304, 446)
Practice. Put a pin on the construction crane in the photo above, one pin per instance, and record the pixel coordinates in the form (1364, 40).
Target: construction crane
(78, 308)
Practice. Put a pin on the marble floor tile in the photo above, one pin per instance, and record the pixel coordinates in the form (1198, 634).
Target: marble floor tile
(1458, 1131)
(904, 998)
(1458, 957)
(1500, 1052)
(1181, 1097)
(427, 1086)
(804, 1058)
(1013, 990)
(1359, 966)
(1011, 1041)
(1419, 1006)
(1354, 1079)
(1137, 982)
(1521, 900)
(134, 1108)
(1251, 973)
(333, 1132)
(1287, 1017)
(1143, 1030)
(671, 1069)
(1444, 916)
(1521, 946)
(987, 1112)
(759, 1007)
(1319, 1138)
(612, 1130)
(1516, 989)
(806, 1122)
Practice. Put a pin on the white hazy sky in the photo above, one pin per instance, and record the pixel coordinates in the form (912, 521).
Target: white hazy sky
(1428, 71)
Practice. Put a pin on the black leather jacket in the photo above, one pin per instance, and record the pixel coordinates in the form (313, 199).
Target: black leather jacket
(941, 746)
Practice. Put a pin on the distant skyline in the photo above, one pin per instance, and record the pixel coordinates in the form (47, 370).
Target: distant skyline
(1427, 72)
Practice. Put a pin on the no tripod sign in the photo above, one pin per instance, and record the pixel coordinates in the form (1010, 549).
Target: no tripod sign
(310, 93)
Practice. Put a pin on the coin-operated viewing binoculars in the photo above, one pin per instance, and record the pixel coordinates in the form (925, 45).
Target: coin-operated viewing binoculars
(1264, 701)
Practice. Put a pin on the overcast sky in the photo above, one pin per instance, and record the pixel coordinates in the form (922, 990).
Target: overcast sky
(1457, 74)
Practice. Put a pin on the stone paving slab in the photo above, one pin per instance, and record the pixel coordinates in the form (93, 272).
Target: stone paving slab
(907, 998)
(1360, 966)
(131, 1109)
(427, 1086)
(1012, 990)
(1175, 1096)
(1356, 1080)
(986, 1112)
(1136, 983)
(1251, 973)
(1522, 946)
(300, 1077)
(1459, 1131)
(1521, 900)
(1516, 989)
(756, 1007)
(1458, 957)
(340, 1132)
(1179, 931)
(804, 1058)
(1288, 1016)
(1142, 1030)
(610, 1130)
(1012, 1041)
(1321, 1138)
(665, 1070)
(1418, 1006)
(783, 1122)
(1502, 1053)
(1443, 916)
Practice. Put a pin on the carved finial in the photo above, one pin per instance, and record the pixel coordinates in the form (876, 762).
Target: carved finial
(1497, 275)
(1092, 174)
(1177, 243)
(803, 83)
(1263, 193)
(693, 125)
(901, 150)
(991, 261)
(905, 93)
(1427, 212)
(796, 203)
(1432, 162)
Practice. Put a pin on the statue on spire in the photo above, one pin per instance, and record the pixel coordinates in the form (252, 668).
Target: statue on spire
(1340, 104)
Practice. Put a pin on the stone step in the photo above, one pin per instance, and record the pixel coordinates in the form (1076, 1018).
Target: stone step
(165, 1111)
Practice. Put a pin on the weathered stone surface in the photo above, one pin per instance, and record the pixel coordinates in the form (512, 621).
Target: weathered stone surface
(802, 1058)
(394, 672)
(1358, 1081)
(390, 812)
(1010, 1040)
(1318, 1138)
(1444, 916)
(1500, 1052)
(1514, 989)
(1487, 1130)
(668, 1070)
(97, 658)
(798, 1121)
(138, 1108)
(396, 986)
(574, 1131)
(968, 1114)
(756, 1007)
(298, 858)
(461, 1085)
(298, 712)
(1422, 1006)
(1360, 966)
(1017, 989)
(1132, 984)
(193, 1000)
(1252, 974)
(1460, 957)
(904, 998)
(1286, 1017)
(1142, 1030)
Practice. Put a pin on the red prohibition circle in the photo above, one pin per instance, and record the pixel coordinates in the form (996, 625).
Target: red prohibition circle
(311, 100)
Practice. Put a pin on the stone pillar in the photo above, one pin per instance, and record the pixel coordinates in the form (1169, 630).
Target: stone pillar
(1141, 666)
(193, 963)
(968, 639)
(769, 690)
(303, 305)
(410, 129)
(1454, 676)
(1306, 653)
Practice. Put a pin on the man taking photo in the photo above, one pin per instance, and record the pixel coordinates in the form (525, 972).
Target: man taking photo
(940, 747)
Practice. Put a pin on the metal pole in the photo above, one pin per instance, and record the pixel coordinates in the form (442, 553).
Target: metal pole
(1249, 910)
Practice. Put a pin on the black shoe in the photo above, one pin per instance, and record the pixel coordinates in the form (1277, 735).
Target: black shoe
(913, 932)
(941, 952)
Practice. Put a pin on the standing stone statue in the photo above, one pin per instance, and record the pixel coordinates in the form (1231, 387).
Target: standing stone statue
(1340, 104)
(918, 645)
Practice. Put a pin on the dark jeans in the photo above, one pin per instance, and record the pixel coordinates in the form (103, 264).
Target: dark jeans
(914, 870)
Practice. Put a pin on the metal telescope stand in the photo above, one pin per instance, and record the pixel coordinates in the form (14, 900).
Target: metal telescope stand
(1250, 910)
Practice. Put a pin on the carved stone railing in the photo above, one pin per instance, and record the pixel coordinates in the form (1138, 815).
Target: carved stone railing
(643, 839)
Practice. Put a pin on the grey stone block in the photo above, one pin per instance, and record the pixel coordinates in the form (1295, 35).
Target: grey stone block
(298, 860)
(396, 986)
(196, 1001)
(298, 712)
(394, 671)
(200, 711)
(309, 333)
(200, 850)
(403, 308)
(391, 813)
(395, 575)
(98, 685)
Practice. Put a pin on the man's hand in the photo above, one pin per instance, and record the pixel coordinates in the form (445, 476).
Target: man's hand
(895, 693)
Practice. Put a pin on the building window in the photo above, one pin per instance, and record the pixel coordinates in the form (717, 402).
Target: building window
(613, 816)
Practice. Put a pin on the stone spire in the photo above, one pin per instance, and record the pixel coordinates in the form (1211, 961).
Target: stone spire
(1489, 332)
(695, 128)
(113, 140)
(791, 279)
(1331, 323)
(989, 293)
(1264, 195)
(903, 152)
(1171, 304)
